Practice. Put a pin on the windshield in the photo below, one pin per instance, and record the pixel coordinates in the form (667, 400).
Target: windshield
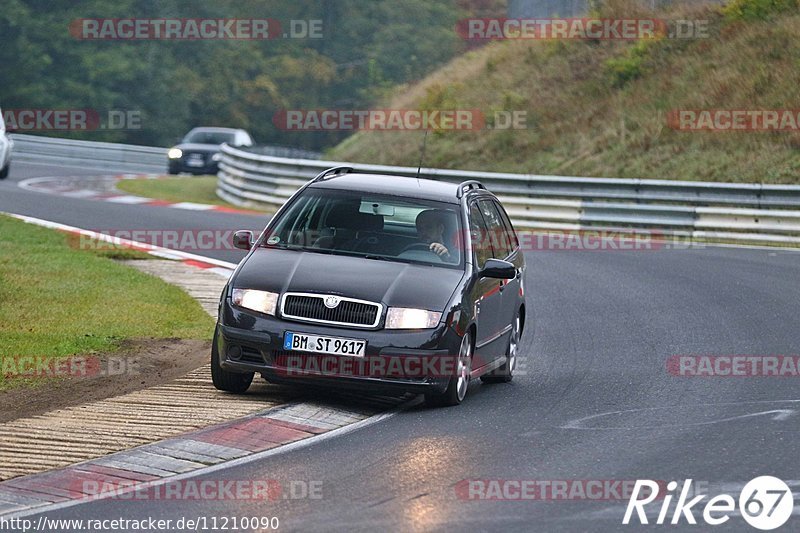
(209, 137)
(372, 226)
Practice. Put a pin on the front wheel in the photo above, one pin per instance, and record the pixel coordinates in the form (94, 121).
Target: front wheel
(459, 383)
(227, 381)
(5, 171)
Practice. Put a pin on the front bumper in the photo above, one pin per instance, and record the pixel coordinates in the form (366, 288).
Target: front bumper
(179, 165)
(395, 360)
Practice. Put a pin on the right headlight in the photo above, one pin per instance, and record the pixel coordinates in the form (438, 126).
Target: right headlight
(261, 301)
(174, 153)
(408, 318)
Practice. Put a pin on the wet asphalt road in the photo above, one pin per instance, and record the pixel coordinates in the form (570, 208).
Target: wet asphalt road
(603, 327)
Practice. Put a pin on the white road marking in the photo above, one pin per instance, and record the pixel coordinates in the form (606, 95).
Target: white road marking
(128, 199)
(192, 206)
(85, 193)
(779, 415)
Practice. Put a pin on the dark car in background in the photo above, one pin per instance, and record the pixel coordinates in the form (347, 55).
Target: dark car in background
(376, 282)
(199, 151)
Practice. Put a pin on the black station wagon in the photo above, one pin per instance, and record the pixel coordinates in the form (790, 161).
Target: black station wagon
(377, 282)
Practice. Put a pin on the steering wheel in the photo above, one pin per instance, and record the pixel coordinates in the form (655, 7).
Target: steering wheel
(419, 246)
(421, 252)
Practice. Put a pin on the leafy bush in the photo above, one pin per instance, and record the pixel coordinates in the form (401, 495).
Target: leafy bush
(757, 9)
(630, 65)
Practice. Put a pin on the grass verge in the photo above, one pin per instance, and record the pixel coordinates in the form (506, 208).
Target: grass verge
(196, 189)
(57, 300)
(602, 108)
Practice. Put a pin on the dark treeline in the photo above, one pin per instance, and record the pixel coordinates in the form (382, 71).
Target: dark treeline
(368, 46)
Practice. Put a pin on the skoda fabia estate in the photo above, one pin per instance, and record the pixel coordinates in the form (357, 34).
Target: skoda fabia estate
(376, 282)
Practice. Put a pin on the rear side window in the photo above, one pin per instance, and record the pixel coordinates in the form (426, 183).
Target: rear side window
(479, 234)
(497, 229)
(512, 235)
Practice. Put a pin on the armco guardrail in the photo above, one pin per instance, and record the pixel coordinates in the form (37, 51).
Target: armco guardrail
(113, 155)
(698, 210)
(90, 153)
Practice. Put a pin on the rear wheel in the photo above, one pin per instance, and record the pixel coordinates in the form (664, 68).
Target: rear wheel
(505, 373)
(224, 380)
(459, 383)
(4, 171)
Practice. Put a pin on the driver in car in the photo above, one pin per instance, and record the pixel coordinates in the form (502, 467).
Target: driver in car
(430, 229)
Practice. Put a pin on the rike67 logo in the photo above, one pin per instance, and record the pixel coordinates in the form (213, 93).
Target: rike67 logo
(765, 503)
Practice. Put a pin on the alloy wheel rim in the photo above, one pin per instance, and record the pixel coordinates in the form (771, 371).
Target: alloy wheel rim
(512, 348)
(463, 368)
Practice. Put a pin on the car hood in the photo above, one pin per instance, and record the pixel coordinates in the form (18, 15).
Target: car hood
(393, 284)
(194, 147)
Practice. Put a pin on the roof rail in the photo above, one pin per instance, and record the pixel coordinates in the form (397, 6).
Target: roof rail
(334, 170)
(466, 186)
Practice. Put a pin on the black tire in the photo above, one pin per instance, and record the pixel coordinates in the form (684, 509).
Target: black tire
(505, 373)
(456, 389)
(5, 171)
(234, 382)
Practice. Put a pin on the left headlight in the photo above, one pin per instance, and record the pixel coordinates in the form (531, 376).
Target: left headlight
(261, 301)
(216, 157)
(407, 318)
(174, 153)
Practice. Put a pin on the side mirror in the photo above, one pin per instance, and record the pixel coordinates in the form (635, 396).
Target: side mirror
(243, 239)
(499, 269)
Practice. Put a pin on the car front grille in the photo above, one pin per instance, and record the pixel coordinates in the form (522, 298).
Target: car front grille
(348, 312)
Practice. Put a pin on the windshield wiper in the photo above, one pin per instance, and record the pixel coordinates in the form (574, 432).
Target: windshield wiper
(282, 246)
(379, 257)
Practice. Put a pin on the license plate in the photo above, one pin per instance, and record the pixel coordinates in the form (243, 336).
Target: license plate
(300, 342)
(195, 161)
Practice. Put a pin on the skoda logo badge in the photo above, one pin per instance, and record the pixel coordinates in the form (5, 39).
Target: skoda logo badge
(331, 301)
